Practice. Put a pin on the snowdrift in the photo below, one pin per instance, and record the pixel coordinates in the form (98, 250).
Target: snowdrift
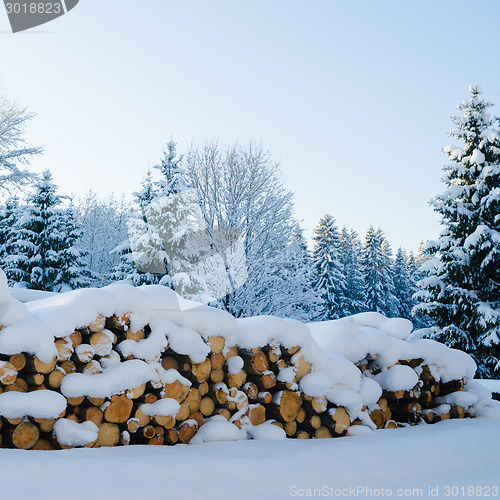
(125, 365)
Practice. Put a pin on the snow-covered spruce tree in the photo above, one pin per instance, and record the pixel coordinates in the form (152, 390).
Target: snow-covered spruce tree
(461, 289)
(305, 303)
(403, 289)
(15, 153)
(377, 273)
(330, 280)
(141, 256)
(9, 215)
(43, 254)
(355, 294)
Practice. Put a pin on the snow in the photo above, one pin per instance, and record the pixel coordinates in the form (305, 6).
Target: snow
(114, 380)
(166, 407)
(490, 385)
(37, 404)
(266, 431)
(70, 433)
(217, 428)
(453, 452)
(186, 341)
(398, 378)
(477, 157)
(234, 365)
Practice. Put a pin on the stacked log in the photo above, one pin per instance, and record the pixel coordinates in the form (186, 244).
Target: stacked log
(246, 386)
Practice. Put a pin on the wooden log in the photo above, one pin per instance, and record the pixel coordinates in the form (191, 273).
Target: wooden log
(169, 363)
(171, 436)
(193, 399)
(137, 392)
(45, 424)
(119, 409)
(64, 349)
(390, 424)
(457, 411)
(163, 420)
(231, 352)
(202, 371)
(290, 428)
(217, 360)
(150, 398)
(92, 414)
(25, 435)
(109, 434)
(207, 406)
(236, 379)
(265, 381)
(301, 416)
(197, 417)
(217, 375)
(204, 388)
(177, 391)
(256, 364)
(43, 445)
(68, 367)
(124, 438)
(149, 432)
(251, 390)
(322, 433)
(285, 406)
(384, 406)
(341, 420)
(18, 361)
(137, 335)
(96, 401)
(19, 385)
(142, 419)
(92, 368)
(75, 338)
(119, 322)
(55, 378)
(216, 343)
(183, 412)
(302, 367)
(75, 401)
(8, 373)
(378, 418)
(187, 431)
(133, 425)
(34, 378)
(98, 324)
(83, 354)
(257, 414)
(224, 412)
(303, 435)
(264, 397)
(102, 342)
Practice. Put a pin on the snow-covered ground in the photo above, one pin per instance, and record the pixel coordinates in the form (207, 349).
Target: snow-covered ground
(409, 461)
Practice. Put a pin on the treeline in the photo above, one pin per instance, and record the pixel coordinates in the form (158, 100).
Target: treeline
(216, 225)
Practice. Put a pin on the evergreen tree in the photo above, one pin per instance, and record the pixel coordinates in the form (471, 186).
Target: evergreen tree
(43, 255)
(355, 294)
(9, 215)
(375, 266)
(329, 272)
(461, 287)
(403, 289)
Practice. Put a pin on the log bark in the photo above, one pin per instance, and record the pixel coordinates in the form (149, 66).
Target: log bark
(187, 431)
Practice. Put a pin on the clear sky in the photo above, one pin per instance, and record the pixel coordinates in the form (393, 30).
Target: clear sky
(353, 98)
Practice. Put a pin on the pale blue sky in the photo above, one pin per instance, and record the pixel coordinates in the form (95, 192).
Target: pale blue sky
(353, 98)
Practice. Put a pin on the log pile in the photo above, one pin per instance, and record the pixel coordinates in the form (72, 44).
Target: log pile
(157, 374)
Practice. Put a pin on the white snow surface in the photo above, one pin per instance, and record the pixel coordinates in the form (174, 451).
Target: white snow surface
(453, 452)
(114, 380)
(37, 404)
(70, 433)
(165, 407)
(217, 428)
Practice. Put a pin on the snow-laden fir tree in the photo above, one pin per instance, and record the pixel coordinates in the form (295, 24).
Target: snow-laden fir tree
(330, 280)
(377, 273)
(355, 294)
(461, 289)
(141, 255)
(15, 152)
(9, 214)
(403, 289)
(42, 254)
(304, 301)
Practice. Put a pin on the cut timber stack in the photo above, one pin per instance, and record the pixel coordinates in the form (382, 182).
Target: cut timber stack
(123, 365)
